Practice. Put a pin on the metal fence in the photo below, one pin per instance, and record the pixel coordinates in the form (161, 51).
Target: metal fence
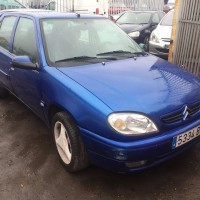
(117, 6)
(114, 6)
(187, 41)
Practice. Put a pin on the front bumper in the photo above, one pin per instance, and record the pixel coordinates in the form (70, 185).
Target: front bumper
(159, 49)
(137, 155)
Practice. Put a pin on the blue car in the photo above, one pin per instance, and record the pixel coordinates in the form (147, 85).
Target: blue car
(106, 101)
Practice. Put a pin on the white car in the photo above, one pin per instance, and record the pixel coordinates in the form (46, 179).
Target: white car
(160, 38)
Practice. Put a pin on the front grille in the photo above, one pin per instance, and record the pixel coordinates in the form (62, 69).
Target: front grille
(179, 115)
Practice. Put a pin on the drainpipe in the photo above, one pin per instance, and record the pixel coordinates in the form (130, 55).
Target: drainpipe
(72, 5)
(174, 29)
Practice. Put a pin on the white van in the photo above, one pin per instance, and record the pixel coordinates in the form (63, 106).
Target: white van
(79, 6)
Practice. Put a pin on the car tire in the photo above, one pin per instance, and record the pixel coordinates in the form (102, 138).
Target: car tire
(68, 143)
(146, 43)
(3, 92)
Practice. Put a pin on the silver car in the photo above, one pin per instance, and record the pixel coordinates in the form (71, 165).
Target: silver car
(160, 38)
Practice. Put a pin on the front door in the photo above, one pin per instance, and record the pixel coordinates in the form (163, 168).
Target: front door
(27, 83)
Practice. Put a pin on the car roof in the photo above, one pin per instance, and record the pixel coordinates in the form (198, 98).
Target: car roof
(18, 10)
(39, 13)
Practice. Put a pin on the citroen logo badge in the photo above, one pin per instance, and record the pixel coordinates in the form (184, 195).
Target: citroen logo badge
(185, 113)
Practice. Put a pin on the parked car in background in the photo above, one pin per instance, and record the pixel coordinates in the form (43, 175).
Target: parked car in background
(139, 24)
(106, 101)
(160, 38)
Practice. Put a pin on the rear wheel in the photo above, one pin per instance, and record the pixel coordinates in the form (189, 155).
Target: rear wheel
(68, 142)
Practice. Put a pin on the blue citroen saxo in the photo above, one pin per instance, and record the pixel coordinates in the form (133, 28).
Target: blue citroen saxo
(107, 101)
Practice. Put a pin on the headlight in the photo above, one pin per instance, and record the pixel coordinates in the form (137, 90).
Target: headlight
(134, 34)
(154, 38)
(131, 123)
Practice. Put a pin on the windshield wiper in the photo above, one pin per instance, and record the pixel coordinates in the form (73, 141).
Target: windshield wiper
(126, 23)
(115, 52)
(143, 53)
(77, 58)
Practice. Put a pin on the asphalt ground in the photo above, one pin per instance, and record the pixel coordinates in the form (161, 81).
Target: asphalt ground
(30, 170)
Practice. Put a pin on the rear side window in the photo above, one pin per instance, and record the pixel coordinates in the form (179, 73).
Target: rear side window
(25, 40)
(6, 31)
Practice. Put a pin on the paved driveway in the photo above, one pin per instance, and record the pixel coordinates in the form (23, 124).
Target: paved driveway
(30, 170)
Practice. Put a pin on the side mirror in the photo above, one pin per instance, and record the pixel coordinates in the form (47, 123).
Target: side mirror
(23, 62)
(142, 46)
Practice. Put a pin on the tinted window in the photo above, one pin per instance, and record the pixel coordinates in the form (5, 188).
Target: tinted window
(135, 18)
(6, 31)
(25, 40)
(167, 20)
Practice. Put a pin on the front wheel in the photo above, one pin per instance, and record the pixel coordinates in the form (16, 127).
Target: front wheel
(68, 142)
(146, 43)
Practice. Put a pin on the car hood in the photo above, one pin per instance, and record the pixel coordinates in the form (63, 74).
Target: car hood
(163, 32)
(147, 85)
(128, 28)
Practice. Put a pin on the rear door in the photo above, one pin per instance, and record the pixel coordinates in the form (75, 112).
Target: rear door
(6, 30)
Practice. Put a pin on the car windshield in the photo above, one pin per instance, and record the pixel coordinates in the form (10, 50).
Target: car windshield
(167, 20)
(134, 18)
(85, 40)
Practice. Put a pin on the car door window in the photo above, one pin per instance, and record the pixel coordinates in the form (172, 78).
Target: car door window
(25, 40)
(6, 31)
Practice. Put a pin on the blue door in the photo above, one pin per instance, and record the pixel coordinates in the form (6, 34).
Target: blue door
(6, 29)
(27, 83)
